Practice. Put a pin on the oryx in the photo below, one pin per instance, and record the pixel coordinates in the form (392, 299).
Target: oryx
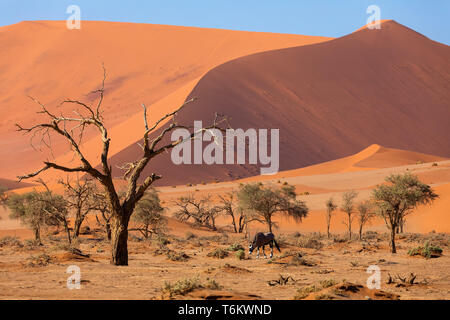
(262, 239)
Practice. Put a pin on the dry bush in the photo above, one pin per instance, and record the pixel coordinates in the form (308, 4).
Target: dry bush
(9, 241)
(177, 256)
(309, 243)
(213, 285)
(190, 235)
(222, 239)
(41, 260)
(371, 235)
(303, 292)
(183, 287)
(218, 253)
(299, 260)
(235, 247)
(282, 281)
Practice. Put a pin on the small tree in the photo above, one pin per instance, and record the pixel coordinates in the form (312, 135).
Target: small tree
(347, 206)
(3, 196)
(365, 214)
(230, 207)
(39, 209)
(148, 214)
(28, 209)
(200, 211)
(80, 196)
(264, 202)
(331, 207)
(398, 198)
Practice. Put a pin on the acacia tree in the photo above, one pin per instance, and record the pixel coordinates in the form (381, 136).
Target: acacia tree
(80, 196)
(228, 205)
(200, 211)
(365, 214)
(398, 198)
(148, 214)
(28, 209)
(39, 209)
(263, 202)
(348, 206)
(3, 196)
(153, 144)
(331, 207)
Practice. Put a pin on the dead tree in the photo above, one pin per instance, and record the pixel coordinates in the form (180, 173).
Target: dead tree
(80, 196)
(365, 214)
(230, 207)
(348, 206)
(199, 211)
(102, 206)
(71, 128)
(331, 207)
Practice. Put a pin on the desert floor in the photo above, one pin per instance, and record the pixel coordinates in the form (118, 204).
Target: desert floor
(308, 261)
(40, 273)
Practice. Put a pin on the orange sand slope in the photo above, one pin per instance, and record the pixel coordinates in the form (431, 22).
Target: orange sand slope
(329, 100)
(324, 181)
(10, 184)
(372, 157)
(145, 63)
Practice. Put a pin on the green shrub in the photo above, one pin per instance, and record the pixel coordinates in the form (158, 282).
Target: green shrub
(240, 254)
(235, 247)
(177, 256)
(181, 287)
(428, 251)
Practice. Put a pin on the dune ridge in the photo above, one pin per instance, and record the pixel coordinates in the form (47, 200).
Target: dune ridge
(145, 63)
(371, 158)
(329, 100)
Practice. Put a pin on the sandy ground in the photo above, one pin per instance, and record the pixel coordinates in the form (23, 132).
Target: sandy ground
(150, 268)
(162, 77)
(146, 275)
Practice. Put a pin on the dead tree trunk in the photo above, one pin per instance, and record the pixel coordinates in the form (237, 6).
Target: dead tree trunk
(349, 227)
(392, 240)
(119, 241)
(66, 227)
(37, 235)
(77, 225)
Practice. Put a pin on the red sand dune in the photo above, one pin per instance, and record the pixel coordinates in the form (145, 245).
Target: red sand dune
(10, 184)
(145, 63)
(372, 157)
(329, 100)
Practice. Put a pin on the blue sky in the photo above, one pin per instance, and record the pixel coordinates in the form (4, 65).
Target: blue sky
(311, 17)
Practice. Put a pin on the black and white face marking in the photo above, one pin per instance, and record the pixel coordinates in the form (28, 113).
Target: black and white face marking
(250, 249)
